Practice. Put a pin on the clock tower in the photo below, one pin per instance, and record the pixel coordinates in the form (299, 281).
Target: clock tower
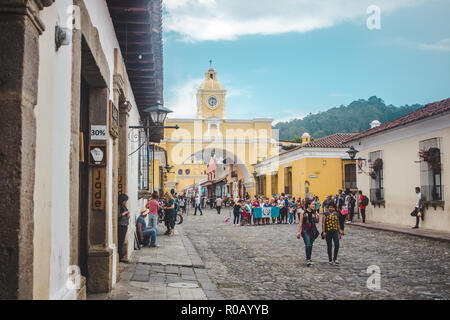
(211, 97)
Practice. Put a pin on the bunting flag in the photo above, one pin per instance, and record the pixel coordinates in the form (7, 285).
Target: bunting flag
(270, 212)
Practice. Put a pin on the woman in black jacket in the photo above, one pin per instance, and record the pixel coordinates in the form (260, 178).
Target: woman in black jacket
(124, 217)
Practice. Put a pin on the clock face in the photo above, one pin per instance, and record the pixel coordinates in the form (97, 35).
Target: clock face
(213, 102)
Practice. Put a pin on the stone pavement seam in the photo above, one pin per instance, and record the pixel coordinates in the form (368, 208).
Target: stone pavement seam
(197, 262)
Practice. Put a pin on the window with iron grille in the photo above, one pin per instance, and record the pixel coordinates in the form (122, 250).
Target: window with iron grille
(288, 181)
(350, 176)
(431, 169)
(143, 182)
(274, 183)
(376, 176)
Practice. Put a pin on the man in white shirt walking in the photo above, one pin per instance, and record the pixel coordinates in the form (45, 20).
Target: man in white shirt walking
(219, 204)
(198, 205)
(418, 210)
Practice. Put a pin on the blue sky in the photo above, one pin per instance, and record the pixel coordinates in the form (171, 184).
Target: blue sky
(299, 57)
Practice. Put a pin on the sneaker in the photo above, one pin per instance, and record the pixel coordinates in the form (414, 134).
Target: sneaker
(336, 262)
(154, 246)
(330, 262)
(124, 261)
(308, 263)
(415, 227)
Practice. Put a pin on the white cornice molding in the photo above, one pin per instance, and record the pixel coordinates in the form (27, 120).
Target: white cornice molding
(302, 153)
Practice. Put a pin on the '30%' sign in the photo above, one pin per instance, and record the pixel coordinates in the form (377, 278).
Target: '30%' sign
(98, 132)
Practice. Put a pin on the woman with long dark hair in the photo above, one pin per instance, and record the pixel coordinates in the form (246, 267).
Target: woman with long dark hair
(169, 209)
(307, 228)
(124, 220)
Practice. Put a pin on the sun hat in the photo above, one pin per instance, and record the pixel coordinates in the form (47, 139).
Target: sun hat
(144, 211)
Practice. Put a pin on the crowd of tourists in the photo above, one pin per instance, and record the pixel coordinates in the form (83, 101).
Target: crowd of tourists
(337, 210)
(291, 208)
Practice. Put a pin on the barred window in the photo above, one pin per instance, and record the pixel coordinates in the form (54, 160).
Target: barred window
(288, 181)
(274, 183)
(430, 169)
(376, 176)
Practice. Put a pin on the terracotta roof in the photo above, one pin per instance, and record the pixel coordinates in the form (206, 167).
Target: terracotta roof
(333, 141)
(429, 110)
(336, 140)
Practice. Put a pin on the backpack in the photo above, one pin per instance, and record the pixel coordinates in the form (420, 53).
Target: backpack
(365, 201)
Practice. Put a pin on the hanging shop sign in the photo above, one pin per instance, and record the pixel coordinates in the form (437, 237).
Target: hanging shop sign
(98, 133)
(98, 188)
(97, 155)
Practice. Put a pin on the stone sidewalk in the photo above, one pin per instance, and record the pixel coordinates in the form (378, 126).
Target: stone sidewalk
(424, 233)
(174, 271)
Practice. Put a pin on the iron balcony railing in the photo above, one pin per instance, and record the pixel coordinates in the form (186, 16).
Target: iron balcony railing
(432, 193)
(376, 194)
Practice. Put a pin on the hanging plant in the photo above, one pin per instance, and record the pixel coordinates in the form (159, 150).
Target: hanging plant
(377, 165)
(433, 157)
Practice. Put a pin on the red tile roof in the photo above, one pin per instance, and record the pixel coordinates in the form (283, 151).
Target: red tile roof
(333, 141)
(429, 110)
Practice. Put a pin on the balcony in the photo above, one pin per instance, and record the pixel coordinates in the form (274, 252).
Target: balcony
(377, 197)
(433, 196)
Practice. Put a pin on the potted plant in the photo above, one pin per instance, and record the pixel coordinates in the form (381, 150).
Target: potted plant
(377, 165)
(433, 157)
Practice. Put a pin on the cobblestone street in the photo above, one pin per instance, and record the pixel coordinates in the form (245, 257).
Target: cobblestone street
(268, 262)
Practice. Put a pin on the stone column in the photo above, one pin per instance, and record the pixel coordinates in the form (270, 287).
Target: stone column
(19, 64)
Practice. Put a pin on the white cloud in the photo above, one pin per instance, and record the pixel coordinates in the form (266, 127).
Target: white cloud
(289, 118)
(200, 20)
(182, 100)
(443, 45)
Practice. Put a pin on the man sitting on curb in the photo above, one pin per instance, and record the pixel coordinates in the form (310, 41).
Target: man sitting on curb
(146, 233)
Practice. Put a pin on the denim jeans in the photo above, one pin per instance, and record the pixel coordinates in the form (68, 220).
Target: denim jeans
(291, 217)
(171, 220)
(149, 236)
(236, 218)
(308, 245)
(153, 221)
(199, 208)
(332, 236)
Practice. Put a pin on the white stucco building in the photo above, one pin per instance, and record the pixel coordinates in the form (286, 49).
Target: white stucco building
(412, 151)
(72, 96)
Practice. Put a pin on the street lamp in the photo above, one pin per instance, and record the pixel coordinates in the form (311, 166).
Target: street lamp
(158, 114)
(352, 152)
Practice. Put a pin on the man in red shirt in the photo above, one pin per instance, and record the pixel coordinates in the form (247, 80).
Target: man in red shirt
(362, 208)
(153, 206)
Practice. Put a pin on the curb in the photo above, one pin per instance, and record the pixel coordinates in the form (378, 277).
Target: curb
(209, 288)
(197, 262)
(437, 238)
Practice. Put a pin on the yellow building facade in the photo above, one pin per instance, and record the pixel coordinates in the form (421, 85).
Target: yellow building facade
(242, 142)
(321, 168)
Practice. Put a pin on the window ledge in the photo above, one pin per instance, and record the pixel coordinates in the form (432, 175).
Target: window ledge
(435, 204)
(378, 203)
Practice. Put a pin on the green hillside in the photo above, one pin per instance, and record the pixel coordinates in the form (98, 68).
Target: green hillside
(355, 117)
